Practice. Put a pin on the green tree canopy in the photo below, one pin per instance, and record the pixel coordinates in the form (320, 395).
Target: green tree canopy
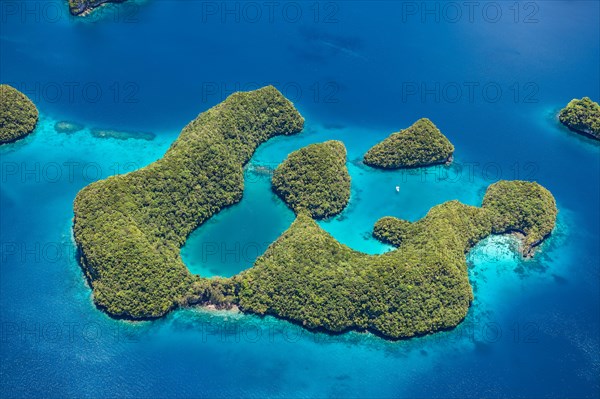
(315, 178)
(18, 115)
(582, 116)
(422, 144)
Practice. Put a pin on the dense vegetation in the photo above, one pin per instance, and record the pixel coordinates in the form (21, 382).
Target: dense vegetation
(524, 207)
(510, 206)
(315, 178)
(18, 115)
(308, 277)
(391, 230)
(582, 116)
(78, 7)
(422, 144)
(130, 228)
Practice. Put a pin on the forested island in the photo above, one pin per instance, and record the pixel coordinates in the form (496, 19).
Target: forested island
(315, 178)
(18, 114)
(423, 286)
(422, 144)
(129, 230)
(82, 7)
(515, 206)
(582, 116)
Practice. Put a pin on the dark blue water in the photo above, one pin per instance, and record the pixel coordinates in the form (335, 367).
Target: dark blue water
(491, 78)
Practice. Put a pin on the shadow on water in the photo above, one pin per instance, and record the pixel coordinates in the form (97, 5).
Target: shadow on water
(320, 47)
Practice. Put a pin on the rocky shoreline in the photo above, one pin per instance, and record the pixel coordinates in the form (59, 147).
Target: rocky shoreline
(582, 117)
(526, 250)
(85, 7)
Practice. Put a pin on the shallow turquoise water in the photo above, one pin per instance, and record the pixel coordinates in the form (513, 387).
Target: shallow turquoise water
(533, 329)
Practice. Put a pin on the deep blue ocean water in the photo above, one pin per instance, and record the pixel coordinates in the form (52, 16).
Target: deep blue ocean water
(492, 78)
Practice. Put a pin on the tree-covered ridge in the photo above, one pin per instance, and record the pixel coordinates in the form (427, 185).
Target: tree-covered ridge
(422, 144)
(79, 7)
(130, 228)
(391, 230)
(582, 116)
(18, 115)
(511, 206)
(308, 277)
(315, 178)
(524, 207)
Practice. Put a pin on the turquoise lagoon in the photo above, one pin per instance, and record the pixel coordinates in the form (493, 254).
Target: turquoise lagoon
(533, 329)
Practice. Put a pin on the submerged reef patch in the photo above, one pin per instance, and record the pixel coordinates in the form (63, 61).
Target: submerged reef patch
(122, 134)
(67, 127)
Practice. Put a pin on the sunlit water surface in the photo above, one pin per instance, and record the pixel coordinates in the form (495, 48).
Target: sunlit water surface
(534, 325)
